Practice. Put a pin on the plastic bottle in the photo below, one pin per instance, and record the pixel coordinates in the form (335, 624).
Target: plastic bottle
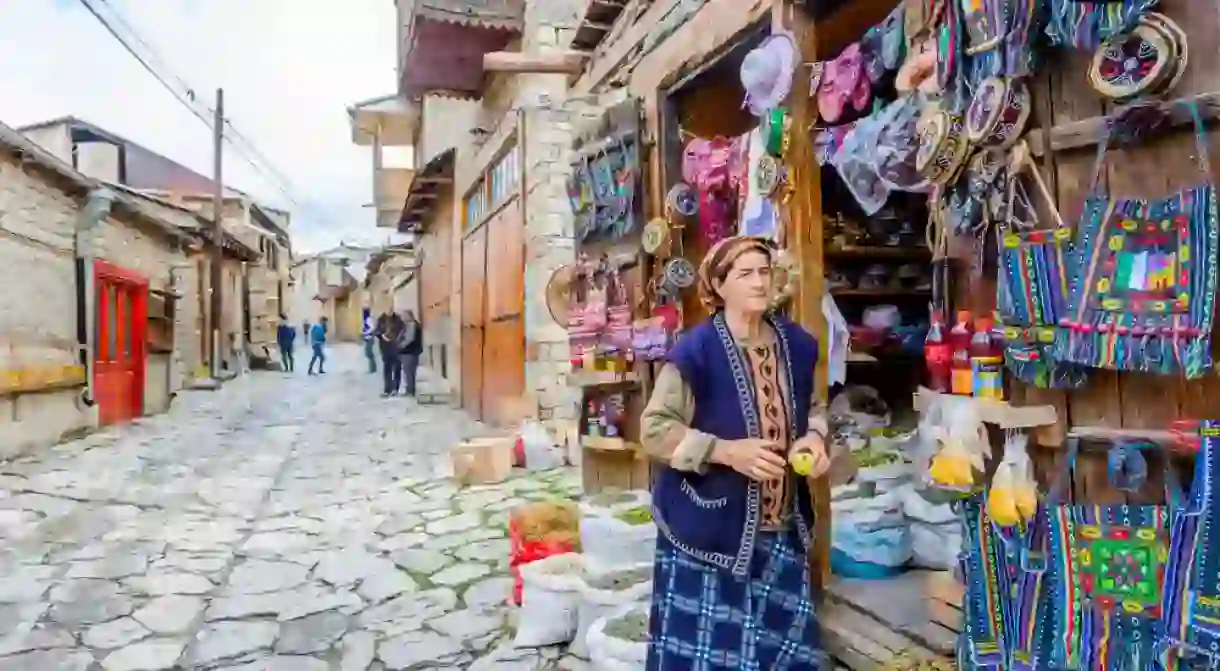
(959, 341)
(938, 357)
(986, 362)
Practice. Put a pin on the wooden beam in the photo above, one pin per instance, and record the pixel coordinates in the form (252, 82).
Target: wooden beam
(622, 47)
(1091, 131)
(434, 180)
(599, 27)
(803, 240)
(555, 62)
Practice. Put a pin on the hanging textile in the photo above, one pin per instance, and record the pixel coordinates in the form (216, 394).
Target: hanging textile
(1032, 298)
(1192, 581)
(1145, 295)
(1106, 571)
(985, 568)
(1085, 25)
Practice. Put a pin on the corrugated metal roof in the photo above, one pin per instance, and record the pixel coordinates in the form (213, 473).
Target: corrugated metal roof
(507, 14)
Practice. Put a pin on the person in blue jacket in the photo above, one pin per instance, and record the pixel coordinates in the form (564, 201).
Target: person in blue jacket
(285, 337)
(317, 340)
(733, 423)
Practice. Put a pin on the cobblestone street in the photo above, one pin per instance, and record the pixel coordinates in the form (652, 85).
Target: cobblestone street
(283, 523)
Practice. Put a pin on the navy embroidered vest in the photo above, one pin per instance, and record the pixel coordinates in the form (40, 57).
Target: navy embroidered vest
(714, 517)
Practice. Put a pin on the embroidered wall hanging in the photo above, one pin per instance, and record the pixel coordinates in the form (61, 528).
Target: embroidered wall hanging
(1145, 297)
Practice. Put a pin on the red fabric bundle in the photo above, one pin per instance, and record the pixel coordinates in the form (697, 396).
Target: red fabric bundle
(523, 551)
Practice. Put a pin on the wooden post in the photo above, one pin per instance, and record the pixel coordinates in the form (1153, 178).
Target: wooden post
(217, 302)
(804, 241)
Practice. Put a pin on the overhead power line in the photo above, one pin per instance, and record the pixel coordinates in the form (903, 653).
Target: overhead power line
(148, 57)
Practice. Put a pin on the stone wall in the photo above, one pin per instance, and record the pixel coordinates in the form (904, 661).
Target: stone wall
(551, 120)
(37, 322)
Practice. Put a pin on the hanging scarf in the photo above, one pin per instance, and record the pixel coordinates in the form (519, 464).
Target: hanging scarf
(1086, 25)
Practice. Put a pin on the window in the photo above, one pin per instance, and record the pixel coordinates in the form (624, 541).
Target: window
(496, 186)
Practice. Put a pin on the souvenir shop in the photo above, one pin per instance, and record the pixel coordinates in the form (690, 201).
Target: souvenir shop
(999, 219)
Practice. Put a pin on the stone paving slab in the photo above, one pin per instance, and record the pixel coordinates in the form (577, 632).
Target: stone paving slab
(283, 523)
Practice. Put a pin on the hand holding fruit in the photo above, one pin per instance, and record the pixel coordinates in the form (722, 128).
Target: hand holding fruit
(808, 456)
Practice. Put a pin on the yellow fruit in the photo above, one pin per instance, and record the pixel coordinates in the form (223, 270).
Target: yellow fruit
(1027, 500)
(951, 469)
(802, 463)
(1002, 506)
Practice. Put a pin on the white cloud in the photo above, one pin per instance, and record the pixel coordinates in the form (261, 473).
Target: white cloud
(289, 69)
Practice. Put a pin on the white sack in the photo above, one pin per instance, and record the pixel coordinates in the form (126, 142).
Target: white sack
(550, 601)
(597, 603)
(936, 546)
(615, 654)
(609, 543)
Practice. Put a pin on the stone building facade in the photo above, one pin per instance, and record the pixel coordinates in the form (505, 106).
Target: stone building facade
(42, 200)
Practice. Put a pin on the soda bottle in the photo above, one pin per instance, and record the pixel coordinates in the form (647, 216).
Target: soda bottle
(986, 362)
(937, 355)
(959, 341)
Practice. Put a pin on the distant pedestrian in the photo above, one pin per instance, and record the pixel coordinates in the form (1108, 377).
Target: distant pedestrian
(389, 332)
(305, 331)
(285, 337)
(413, 347)
(370, 341)
(317, 340)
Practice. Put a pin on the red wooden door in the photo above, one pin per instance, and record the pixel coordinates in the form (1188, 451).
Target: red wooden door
(122, 334)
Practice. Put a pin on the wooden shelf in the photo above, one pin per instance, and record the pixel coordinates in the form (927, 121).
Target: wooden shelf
(999, 413)
(604, 444)
(879, 252)
(881, 293)
(601, 379)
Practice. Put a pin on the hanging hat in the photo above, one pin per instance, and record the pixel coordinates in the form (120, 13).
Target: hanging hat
(559, 294)
(767, 72)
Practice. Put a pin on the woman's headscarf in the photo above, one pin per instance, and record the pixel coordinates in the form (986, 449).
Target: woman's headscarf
(720, 258)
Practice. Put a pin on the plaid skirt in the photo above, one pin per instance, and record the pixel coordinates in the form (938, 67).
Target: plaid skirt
(704, 618)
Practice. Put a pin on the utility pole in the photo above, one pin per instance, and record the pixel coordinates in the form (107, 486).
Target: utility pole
(218, 199)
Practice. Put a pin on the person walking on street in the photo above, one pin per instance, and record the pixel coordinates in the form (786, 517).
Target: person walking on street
(317, 340)
(370, 341)
(389, 332)
(413, 339)
(285, 337)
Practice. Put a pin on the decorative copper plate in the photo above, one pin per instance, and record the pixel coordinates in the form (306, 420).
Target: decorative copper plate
(678, 274)
(682, 199)
(767, 175)
(655, 237)
(998, 113)
(942, 146)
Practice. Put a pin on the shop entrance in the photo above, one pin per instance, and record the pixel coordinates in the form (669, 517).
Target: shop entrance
(122, 309)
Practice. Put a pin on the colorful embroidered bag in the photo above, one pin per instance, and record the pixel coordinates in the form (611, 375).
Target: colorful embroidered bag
(1192, 581)
(1032, 296)
(1145, 295)
(985, 566)
(1103, 569)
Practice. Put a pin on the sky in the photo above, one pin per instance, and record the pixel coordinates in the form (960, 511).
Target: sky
(289, 69)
